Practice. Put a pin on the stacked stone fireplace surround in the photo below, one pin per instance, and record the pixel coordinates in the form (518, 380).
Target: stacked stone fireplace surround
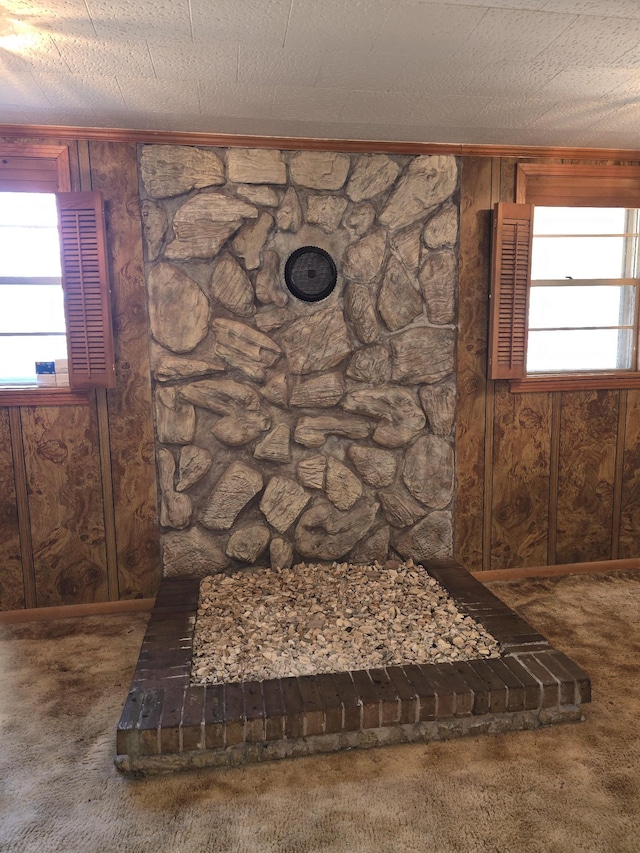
(290, 432)
(286, 430)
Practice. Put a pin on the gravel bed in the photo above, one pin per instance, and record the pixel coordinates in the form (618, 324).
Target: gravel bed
(312, 618)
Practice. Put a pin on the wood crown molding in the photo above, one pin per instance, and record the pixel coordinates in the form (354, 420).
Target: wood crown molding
(286, 143)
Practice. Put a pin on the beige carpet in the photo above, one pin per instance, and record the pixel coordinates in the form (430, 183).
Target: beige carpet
(568, 788)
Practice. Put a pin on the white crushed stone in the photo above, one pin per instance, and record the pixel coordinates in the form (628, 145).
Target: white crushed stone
(313, 618)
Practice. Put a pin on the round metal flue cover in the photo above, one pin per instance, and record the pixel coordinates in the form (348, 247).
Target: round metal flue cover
(310, 273)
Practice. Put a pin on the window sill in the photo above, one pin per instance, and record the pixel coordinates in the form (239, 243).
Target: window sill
(586, 382)
(43, 397)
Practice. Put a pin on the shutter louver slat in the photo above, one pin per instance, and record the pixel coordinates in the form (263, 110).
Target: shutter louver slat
(86, 290)
(510, 280)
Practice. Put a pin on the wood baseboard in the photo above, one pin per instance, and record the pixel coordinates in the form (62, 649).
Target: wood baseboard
(69, 611)
(559, 570)
(41, 614)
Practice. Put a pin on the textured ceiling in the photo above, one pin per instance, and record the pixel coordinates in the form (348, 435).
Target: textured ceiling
(525, 72)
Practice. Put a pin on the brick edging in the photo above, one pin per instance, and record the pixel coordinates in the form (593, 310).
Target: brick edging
(165, 717)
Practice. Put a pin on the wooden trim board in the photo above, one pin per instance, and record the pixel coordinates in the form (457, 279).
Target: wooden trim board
(560, 570)
(224, 140)
(70, 611)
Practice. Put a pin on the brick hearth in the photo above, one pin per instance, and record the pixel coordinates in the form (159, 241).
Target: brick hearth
(168, 724)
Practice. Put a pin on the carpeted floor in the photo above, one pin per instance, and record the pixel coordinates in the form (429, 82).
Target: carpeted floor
(568, 788)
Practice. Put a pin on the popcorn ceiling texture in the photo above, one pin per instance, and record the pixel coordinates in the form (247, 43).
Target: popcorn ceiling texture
(288, 430)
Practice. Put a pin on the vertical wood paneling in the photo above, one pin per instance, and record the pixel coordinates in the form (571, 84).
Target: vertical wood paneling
(629, 543)
(22, 504)
(521, 467)
(528, 466)
(562, 478)
(102, 412)
(65, 504)
(475, 236)
(623, 398)
(507, 179)
(552, 539)
(588, 437)
(11, 582)
(114, 173)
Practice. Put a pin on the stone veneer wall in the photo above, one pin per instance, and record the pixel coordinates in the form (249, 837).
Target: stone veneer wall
(289, 430)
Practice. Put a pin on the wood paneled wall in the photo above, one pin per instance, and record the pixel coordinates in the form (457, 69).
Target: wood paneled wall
(542, 478)
(78, 521)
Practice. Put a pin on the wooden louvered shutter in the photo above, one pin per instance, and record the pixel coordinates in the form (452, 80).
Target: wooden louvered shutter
(85, 282)
(510, 281)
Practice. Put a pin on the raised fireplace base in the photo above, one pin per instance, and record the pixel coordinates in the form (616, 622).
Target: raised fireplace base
(168, 724)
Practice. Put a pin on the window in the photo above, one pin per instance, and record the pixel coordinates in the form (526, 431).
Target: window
(564, 301)
(53, 278)
(32, 324)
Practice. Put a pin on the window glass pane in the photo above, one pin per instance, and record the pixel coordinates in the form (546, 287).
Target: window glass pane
(579, 220)
(35, 209)
(578, 305)
(31, 308)
(578, 257)
(19, 354)
(603, 349)
(29, 242)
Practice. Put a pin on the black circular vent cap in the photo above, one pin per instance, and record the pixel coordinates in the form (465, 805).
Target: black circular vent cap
(310, 273)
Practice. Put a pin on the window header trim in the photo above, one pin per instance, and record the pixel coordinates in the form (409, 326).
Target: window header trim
(562, 185)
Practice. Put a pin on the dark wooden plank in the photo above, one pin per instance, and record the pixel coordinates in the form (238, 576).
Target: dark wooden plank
(65, 504)
(114, 173)
(521, 460)
(588, 433)
(473, 288)
(11, 580)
